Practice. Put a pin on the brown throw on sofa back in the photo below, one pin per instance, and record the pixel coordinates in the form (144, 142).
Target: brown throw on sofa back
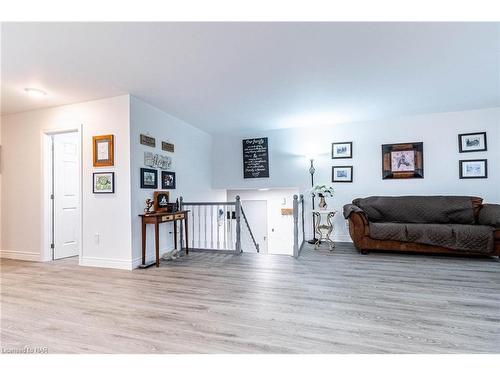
(419, 209)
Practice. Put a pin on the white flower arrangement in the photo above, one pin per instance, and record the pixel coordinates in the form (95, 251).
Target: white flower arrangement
(322, 191)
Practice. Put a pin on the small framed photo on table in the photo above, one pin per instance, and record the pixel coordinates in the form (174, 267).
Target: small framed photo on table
(103, 183)
(103, 150)
(167, 180)
(473, 168)
(161, 201)
(342, 150)
(149, 178)
(472, 142)
(342, 174)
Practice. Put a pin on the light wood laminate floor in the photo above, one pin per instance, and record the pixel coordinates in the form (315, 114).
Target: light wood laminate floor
(340, 302)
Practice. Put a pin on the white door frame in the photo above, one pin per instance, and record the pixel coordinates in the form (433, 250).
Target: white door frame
(46, 250)
(244, 202)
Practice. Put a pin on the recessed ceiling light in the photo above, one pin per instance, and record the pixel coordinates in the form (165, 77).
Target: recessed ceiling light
(35, 93)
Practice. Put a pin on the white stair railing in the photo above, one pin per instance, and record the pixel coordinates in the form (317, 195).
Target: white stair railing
(216, 226)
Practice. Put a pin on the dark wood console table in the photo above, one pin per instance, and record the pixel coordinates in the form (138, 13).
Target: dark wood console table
(157, 218)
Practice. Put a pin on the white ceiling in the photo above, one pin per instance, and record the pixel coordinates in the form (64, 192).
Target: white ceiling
(232, 76)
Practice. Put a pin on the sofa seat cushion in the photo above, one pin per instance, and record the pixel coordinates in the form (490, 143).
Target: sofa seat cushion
(462, 237)
(419, 209)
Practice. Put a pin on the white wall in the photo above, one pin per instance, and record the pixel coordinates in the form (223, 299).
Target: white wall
(191, 161)
(22, 181)
(439, 132)
(279, 227)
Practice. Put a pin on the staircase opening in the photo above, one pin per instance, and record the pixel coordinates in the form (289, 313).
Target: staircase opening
(269, 221)
(269, 213)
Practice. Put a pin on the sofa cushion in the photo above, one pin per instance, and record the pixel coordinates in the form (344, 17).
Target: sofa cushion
(418, 209)
(477, 238)
(490, 215)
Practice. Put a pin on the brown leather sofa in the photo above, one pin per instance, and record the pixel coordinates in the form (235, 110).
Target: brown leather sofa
(425, 224)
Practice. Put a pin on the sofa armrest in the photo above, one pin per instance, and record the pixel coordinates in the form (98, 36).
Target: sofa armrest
(352, 208)
(489, 215)
(358, 221)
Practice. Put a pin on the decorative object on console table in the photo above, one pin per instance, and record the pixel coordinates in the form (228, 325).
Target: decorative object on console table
(161, 199)
(149, 204)
(325, 230)
(342, 150)
(472, 142)
(167, 180)
(255, 158)
(103, 183)
(103, 150)
(169, 147)
(323, 191)
(149, 178)
(146, 140)
(403, 160)
(473, 168)
(342, 174)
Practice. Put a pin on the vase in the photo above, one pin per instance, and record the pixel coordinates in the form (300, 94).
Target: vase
(322, 203)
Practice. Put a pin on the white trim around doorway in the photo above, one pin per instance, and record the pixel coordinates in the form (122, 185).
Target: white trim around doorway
(46, 160)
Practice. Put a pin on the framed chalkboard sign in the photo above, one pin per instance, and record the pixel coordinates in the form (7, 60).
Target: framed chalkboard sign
(255, 158)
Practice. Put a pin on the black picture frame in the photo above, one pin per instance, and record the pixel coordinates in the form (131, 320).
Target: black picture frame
(255, 157)
(94, 191)
(461, 174)
(460, 143)
(168, 180)
(390, 151)
(344, 167)
(146, 184)
(342, 143)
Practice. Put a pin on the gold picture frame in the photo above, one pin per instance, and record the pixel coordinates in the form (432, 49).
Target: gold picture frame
(103, 150)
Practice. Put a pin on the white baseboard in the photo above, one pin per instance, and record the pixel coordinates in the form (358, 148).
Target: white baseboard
(20, 255)
(336, 237)
(342, 238)
(122, 264)
(136, 262)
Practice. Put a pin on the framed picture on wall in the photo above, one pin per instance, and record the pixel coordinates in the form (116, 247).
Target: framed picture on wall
(472, 142)
(473, 168)
(149, 178)
(103, 150)
(403, 160)
(146, 140)
(167, 180)
(342, 150)
(103, 183)
(342, 173)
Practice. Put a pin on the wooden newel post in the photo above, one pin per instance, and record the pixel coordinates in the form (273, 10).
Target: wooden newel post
(295, 226)
(181, 227)
(237, 250)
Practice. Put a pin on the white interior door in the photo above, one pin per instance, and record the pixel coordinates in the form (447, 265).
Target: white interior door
(66, 223)
(256, 214)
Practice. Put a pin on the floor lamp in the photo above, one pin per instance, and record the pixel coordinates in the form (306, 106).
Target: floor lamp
(311, 171)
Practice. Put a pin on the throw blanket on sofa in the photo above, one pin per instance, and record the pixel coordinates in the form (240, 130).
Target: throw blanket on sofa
(416, 209)
(475, 238)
